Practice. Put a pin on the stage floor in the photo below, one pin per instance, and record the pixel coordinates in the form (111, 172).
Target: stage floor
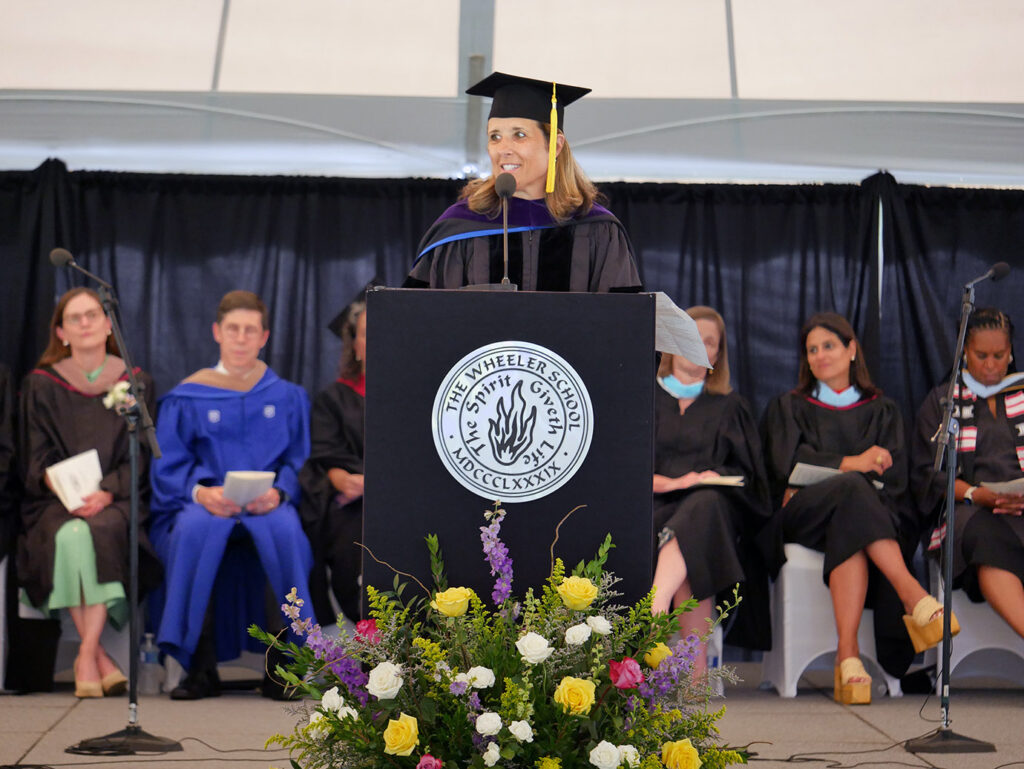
(230, 731)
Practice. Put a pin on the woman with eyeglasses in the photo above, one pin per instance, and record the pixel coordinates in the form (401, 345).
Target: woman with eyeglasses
(78, 559)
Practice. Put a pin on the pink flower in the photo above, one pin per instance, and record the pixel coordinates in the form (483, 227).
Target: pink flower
(367, 630)
(428, 761)
(625, 674)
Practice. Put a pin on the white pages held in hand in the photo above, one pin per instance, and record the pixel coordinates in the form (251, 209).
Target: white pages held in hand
(807, 475)
(243, 486)
(75, 477)
(1014, 487)
(722, 480)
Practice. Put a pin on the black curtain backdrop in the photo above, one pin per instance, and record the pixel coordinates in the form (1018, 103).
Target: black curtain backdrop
(766, 256)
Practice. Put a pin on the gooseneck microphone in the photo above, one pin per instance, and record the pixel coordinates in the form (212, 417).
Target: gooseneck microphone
(997, 271)
(505, 186)
(61, 257)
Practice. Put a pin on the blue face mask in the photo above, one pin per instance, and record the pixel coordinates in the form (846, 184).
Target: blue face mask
(677, 389)
(828, 396)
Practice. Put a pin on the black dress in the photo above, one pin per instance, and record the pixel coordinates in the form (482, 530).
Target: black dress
(841, 516)
(982, 538)
(336, 440)
(715, 525)
(59, 420)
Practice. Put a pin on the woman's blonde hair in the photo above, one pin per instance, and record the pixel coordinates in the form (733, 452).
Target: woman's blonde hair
(574, 192)
(717, 381)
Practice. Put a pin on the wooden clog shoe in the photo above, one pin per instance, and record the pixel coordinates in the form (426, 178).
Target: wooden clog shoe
(847, 691)
(925, 625)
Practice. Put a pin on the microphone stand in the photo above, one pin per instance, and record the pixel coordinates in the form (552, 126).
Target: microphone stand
(132, 739)
(505, 187)
(944, 739)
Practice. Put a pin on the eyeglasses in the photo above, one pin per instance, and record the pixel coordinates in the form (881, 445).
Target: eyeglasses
(80, 317)
(234, 331)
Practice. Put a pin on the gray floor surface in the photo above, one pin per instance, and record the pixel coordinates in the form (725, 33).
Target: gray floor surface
(810, 729)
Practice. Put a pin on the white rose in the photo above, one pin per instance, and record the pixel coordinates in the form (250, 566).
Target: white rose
(599, 625)
(628, 755)
(605, 755)
(492, 754)
(577, 634)
(488, 724)
(480, 677)
(385, 681)
(463, 678)
(534, 648)
(347, 712)
(331, 700)
(521, 730)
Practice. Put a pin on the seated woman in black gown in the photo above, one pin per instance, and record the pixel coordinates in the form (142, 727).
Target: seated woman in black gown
(988, 560)
(836, 418)
(78, 559)
(332, 478)
(704, 431)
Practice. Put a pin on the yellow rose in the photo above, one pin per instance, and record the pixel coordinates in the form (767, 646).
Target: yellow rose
(575, 695)
(577, 592)
(657, 654)
(401, 736)
(680, 755)
(452, 602)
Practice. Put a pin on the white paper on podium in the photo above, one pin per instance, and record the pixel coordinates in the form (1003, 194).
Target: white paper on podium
(243, 486)
(676, 333)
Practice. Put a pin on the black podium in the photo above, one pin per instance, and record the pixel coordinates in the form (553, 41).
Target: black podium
(542, 400)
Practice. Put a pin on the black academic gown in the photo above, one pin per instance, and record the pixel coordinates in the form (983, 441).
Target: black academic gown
(7, 469)
(841, 516)
(715, 526)
(588, 253)
(57, 422)
(333, 528)
(982, 538)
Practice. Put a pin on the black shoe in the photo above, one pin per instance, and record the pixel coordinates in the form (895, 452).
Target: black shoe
(197, 685)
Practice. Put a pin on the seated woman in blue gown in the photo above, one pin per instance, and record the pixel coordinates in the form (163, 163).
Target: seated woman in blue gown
(219, 555)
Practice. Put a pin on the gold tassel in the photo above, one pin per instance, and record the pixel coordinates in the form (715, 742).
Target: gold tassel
(552, 143)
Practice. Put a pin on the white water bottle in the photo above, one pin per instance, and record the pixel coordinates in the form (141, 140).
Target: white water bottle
(151, 673)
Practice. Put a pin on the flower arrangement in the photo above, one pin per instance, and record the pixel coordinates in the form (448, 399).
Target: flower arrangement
(559, 679)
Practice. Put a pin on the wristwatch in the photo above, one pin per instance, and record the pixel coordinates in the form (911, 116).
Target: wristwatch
(969, 494)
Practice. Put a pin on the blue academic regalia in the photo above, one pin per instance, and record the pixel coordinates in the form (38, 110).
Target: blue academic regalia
(204, 432)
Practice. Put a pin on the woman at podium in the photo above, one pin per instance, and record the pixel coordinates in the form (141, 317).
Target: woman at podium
(77, 558)
(988, 557)
(848, 441)
(560, 238)
(710, 490)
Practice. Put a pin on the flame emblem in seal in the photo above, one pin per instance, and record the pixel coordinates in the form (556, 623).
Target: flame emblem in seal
(511, 434)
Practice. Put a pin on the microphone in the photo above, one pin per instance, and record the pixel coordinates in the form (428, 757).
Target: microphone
(505, 186)
(997, 271)
(61, 257)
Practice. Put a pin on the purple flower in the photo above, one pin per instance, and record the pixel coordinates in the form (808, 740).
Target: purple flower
(458, 688)
(663, 680)
(496, 554)
(349, 671)
(474, 701)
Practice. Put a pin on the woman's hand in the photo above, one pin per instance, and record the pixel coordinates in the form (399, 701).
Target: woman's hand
(348, 485)
(213, 499)
(876, 459)
(264, 503)
(1002, 504)
(662, 483)
(94, 503)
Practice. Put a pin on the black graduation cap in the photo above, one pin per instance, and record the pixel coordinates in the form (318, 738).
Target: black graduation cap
(516, 96)
(338, 322)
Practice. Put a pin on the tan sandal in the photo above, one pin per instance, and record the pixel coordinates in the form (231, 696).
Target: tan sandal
(86, 689)
(847, 691)
(925, 625)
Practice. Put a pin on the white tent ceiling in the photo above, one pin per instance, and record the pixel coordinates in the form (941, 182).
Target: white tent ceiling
(767, 90)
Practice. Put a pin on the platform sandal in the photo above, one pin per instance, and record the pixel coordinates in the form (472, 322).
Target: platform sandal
(848, 692)
(925, 625)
